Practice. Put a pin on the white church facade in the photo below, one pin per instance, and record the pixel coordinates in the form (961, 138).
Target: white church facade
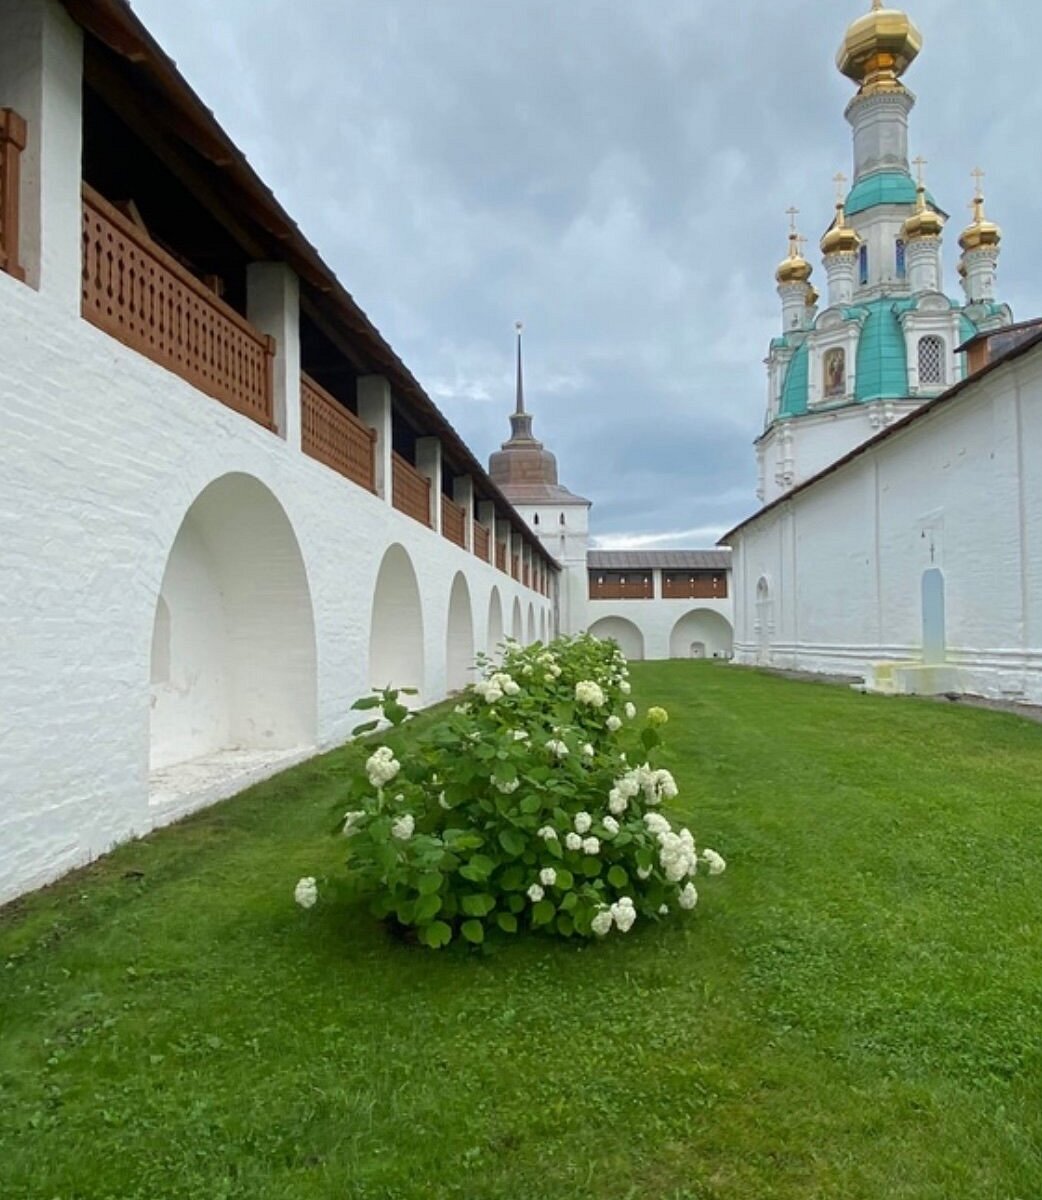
(901, 537)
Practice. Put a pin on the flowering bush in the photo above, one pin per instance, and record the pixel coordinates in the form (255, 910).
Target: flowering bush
(532, 805)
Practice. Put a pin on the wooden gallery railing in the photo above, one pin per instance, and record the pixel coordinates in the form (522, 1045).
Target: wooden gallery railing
(614, 589)
(12, 143)
(135, 291)
(333, 435)
(411, 491)
(454, 522)
(481, 541)
(515, 567)
(501, 556)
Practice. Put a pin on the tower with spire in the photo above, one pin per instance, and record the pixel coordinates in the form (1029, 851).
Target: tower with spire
(526, 473)
(888, 337)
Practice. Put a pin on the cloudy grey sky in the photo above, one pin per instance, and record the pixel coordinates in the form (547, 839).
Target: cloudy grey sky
(614, 172)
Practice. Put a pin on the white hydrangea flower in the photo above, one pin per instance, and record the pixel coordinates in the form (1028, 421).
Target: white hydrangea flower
(403, 827)
(488, 691)
(624, 914)
(351, 819)
(548, 877)
(573, 841)
(442, 802)
(588, 692)
(688, 897)
(555, 671)
(643, 873)
(535, 893)
(381, 766)
(663, 910)
(508, 788)
(602, 922)
(613, 724)
(526, 670)
(657, 715)
(557, 748)
(591, 845)
(677, 855)
(505, 683)
(625, 687)
(656, 823)
(548, 833)
(461, 710)
(630, 710)
(582, 822)
(587, 750)
(306, 892)
(611, 825)
(521, 735)
(617, 803)
(714, 861)
(628, 785)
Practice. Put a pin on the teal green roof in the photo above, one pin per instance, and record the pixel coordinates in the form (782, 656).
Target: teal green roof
(797, 383)
(882, 361)
(884, 187)
(967, 329)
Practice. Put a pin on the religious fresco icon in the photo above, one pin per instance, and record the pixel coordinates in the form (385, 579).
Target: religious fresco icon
(835, 372)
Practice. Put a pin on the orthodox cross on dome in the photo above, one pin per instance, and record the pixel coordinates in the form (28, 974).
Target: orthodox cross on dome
(877, 5)
(520, 406)
(919, 163)
(840, 180)
(978, 178)
(792, 213)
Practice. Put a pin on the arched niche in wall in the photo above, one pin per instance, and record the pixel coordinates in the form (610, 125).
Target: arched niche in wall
(459, 636)
(530, 628)
(701, 633)
(542, 625)
(517, 626)
(495, 624)
(233, 662)
(618, 629)
(396, 657)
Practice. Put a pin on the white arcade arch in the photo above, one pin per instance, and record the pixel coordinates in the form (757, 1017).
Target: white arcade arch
(233, 661)
(396, 656)
(517, 629)
(628, 636)
(701, 633)
(531, 624)
(495, 624)
(459, 636)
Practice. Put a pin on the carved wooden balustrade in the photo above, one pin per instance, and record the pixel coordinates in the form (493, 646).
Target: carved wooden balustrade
(454, 522)
(135, 291)
(515, 567)
(501, 556)
(12, 143)
(638, 588)
(333, 435)
(481, 541)
(410, 491)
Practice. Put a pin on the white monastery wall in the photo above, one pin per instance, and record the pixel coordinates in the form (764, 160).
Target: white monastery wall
(657, 629)
(832, 579)
(263, 638)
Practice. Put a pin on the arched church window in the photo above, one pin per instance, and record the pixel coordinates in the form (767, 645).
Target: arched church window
(835, 372)
(931, 360)
(901, 262)
(562, 518)
(862, 264)
(535, 518)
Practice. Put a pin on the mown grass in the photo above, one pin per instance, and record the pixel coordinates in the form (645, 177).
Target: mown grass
(854, 1010)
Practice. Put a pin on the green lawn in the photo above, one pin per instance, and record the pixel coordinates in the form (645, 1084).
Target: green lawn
(854, 1010)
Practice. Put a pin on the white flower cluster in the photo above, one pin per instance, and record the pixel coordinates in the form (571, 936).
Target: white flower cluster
(557, 748)
(403, 827)
(381, 766)
(547, 660)
(496, 687)
(688, 896)
(548, 833)
(714, 861)
(587, 750)
(611, 826)
(588, 692)
(630, 710)
(677, 855)
(591, 846)
(521, 735)
(624, 687)
(613, 724)
(351, 819)
(573, 841)
(582, 822)
(306, 892)
(548, 876)
(535, 893)
(621, 914)
(656, 785)
(507, 789)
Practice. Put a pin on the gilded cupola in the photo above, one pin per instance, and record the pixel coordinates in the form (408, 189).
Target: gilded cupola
(980, 233)
(878, 48)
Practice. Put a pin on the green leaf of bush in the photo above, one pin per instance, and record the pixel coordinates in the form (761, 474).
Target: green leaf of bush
(513, 843)
(478, 869)
(436, 934)
(617, 876)
(565, 880)
(512, 879)
(543, 912)
(473, 931)
(430, 883)
(507, 922)
(426, 908)
(365, 727)
(478, 905)
(591, 867)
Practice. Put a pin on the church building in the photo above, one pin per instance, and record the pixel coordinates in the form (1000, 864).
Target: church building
(900, 542)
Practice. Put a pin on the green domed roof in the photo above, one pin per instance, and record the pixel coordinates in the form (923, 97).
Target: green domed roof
(797, 381)
(884, 187)
(882, 360)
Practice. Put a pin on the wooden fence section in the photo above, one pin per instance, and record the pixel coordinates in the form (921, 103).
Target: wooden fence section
(501, 556)
(135, 291)
(694, 586)
(612, 589)
(515, 567)
(481, 541)
(454, 522)
(334, 436)
(411, 491)
(12, 143)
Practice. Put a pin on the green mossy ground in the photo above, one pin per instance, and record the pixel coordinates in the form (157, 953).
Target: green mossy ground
(854, 1011)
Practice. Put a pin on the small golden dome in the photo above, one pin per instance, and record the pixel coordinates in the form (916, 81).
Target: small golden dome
(840, 238)
(795, 268)
(924, 222)
(813, 296)
(879, 48)
(980, 233)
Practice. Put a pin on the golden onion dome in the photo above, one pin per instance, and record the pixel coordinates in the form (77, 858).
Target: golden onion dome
(924, 222)
(840, 238)
(879, 48)
(812, 297)
(795, 268)
(980, 233)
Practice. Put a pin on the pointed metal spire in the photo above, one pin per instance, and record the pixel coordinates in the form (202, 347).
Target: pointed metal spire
(520, 407)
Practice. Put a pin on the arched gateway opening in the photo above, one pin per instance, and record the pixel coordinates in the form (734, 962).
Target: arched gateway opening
(459, 643)
(233, 637)
(701, 633)
(495, 624)
(396, 628)
(618, 629)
